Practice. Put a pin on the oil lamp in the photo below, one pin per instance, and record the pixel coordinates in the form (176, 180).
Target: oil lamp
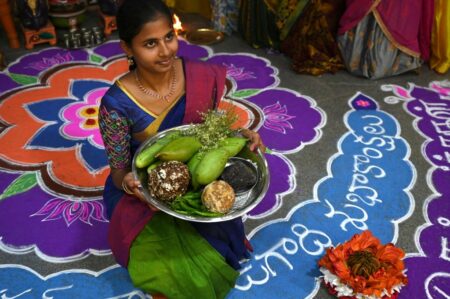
(177, 26)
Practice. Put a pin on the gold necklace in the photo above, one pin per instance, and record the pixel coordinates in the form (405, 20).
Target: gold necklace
(147, 91)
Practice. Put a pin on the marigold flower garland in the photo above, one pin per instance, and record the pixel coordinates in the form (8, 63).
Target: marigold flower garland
(363, 268)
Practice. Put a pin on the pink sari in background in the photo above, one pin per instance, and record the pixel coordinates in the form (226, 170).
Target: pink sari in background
(406, 23)
(383, 38)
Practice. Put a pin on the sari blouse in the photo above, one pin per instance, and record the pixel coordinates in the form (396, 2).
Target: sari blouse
(122, 116)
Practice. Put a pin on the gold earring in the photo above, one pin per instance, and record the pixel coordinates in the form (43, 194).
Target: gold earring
(130, 60)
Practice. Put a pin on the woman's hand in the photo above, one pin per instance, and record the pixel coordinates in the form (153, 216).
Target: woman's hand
(255, 140)
(132, 187)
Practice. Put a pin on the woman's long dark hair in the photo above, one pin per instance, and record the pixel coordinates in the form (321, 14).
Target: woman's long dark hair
(133, 14)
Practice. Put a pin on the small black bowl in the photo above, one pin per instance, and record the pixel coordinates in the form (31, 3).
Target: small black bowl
(241, 174)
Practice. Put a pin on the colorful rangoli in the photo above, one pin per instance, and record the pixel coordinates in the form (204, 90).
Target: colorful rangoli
(53, 167)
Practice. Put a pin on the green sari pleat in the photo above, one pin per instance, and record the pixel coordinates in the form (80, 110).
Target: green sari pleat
(169, 257)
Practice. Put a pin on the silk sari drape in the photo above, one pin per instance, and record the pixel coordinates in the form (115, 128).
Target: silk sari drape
(440, 42)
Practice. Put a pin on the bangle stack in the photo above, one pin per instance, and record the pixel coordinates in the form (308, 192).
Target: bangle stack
(125, 188)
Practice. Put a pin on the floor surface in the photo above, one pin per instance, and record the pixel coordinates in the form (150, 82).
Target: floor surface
(318, 170)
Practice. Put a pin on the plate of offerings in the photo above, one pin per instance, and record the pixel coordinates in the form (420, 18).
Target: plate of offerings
(188, 180)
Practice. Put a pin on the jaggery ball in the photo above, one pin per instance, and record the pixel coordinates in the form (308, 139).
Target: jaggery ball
(218, 196)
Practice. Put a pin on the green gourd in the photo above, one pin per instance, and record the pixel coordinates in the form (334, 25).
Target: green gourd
(180, 149)
(233, 145)
(192, 165)
(147, 156)
(211, 166)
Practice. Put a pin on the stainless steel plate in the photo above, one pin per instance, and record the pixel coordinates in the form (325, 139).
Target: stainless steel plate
(245, 201)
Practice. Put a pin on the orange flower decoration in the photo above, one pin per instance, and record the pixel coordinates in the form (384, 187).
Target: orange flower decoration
(364, 267)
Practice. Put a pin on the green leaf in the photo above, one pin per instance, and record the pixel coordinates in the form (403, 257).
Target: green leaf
(245, 93)
(95, 58)
(22, 184)
(24, 79)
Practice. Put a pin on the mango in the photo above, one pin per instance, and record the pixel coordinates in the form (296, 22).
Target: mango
(192, 165)
(233, 145)
(180, 149)
(147, 155)
(211, 166)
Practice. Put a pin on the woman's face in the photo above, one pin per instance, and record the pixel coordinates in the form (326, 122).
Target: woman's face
(155, 47)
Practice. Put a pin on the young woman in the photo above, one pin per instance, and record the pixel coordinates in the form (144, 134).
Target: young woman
(164, 255)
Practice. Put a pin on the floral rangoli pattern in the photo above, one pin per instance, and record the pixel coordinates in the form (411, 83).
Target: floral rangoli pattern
(53, 165)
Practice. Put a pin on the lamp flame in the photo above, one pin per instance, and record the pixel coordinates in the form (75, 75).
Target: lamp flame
(177, 24)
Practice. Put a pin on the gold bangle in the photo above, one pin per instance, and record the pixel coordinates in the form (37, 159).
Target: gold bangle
(125, 188)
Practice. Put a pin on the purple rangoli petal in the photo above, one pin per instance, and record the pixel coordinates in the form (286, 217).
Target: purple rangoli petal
(48, 224)
(248, 71)
(36, 63)
(48, 207)
(282, 181)
(6, 83)
(290, 120)
(188, 50)
(109, 49)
